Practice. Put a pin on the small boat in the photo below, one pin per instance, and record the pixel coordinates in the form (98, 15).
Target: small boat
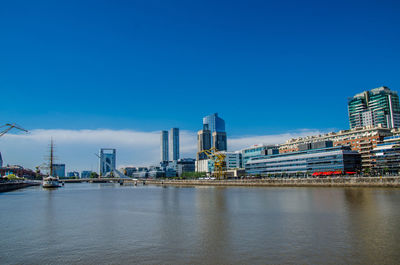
(51, 182)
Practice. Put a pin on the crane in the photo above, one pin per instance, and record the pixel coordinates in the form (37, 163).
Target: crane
(9, 127)
(219, 161)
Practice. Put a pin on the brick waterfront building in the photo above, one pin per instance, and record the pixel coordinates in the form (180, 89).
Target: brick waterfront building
(362, 140)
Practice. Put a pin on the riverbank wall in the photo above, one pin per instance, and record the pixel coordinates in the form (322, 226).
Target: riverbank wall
(290, 182)
(9, 186)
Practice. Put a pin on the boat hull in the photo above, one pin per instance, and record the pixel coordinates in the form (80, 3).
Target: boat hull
(51, 184)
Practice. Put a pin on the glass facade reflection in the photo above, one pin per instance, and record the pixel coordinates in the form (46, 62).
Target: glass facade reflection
(339, 158)
(214, 123)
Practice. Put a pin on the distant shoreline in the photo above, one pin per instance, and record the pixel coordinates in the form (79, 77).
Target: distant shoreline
(10, 186)
(392, 182)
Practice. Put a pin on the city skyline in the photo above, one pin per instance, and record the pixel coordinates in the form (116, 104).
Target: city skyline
(199, 132)
(131, 155)
(76, 148)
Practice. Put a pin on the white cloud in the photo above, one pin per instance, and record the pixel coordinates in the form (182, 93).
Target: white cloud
(246, 141)
(76, 148)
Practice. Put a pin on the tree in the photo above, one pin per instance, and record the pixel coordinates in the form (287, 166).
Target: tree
(193, 174)
(93, 175)
(386, 170)
(11, 177)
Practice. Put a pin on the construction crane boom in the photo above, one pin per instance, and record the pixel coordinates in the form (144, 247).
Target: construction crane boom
(9, 127)
(219, 161)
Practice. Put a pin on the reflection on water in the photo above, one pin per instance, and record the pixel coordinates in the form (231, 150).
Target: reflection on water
(112, 224)
(373, 224)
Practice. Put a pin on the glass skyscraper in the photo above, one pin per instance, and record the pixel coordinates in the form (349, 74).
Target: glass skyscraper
(216, 126)
(213, 123)
(174, 144)
(203, 143)
(374, 107)
(164, 146)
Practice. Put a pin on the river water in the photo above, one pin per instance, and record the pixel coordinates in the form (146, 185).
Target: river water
(112, 224)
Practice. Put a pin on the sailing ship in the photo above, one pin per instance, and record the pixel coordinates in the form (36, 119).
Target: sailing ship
(50, 181)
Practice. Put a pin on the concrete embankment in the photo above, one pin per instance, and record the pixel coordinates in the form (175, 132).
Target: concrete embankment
(9, 186)
(291, 182)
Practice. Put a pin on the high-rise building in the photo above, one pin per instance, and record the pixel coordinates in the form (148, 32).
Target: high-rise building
(107, 160)
(374, 107)
(214, 123)
(59, 170)
(203, 143)
(174, 144)
(219, 141)
(214, 128)
(164, 146)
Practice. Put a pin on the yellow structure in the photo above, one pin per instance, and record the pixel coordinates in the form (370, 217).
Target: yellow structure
(219, 161)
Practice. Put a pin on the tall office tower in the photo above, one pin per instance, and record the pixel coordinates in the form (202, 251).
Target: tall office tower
(203, 142)
(174, 144)
(107, 158)
(164, 146)
(377, 106)
(219, 141)
(216, 125)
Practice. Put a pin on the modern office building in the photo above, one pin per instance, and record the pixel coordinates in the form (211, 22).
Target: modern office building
(107, 160)
(379, 106)
(59, 170)
(214, 123)
(362, 140)
(216, 126)
(85, 174)
(182, 165)
(257, 150)
(164, 146)
(174, 144)
(337, 160)
(72, 174)
(128, 171)
(219, 141)
(203, 165)
(386, 156)
(203, 142)
(233, 160)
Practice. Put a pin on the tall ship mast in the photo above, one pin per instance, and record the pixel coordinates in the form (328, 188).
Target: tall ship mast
(51, 157)
(51, 181)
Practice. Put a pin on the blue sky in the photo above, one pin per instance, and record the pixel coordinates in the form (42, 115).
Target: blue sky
(267, 67)
(263, 65)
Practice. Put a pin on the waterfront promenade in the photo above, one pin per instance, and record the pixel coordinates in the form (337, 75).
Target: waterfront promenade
(290, 182)
(9, 186)
(392, 182)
